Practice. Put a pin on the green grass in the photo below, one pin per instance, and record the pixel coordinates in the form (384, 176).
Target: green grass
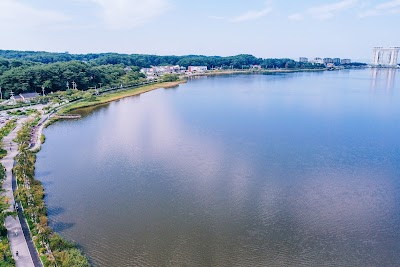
(6, 129)
(42, 138)
(3, 153)
(35, 122)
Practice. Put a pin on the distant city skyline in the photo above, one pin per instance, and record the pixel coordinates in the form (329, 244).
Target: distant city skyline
(267, 29)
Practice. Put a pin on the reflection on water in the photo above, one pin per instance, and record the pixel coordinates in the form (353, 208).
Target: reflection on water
(383, 78)
(277, 170)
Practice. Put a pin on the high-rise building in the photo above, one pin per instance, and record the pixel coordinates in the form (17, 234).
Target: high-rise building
(303, 59)
(386, 57)
(345, 61)
(328, 60)
(336, 61)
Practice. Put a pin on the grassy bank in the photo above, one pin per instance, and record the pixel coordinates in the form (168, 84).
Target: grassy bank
(53, 250)
(109, 97)
(4, 131)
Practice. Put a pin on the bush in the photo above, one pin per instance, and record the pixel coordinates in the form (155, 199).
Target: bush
(170, 78)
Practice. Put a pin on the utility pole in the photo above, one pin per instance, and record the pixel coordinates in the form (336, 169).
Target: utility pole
(1, 93)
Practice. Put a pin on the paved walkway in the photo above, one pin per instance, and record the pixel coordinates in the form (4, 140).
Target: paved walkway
(35, 141)
(16, 233)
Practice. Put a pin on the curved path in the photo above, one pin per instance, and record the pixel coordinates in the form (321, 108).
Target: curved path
(17, 234)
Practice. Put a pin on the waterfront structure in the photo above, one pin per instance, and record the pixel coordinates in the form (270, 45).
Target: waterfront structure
(197, 68)
(161, 70)
(345, 61)
(303, 60)
(385, 57)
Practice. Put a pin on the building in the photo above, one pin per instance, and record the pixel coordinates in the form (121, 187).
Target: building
(155, 71)
(386, 57)
(303, 60)
(328, 60)
(25, 97)
(197, 68)
(317, 60)
(336, 61)
(345, 61)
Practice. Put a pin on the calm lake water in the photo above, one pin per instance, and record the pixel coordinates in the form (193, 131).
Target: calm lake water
(297, 169)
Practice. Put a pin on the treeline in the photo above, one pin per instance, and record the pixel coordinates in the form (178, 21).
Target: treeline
(144, 61)
(28, 71)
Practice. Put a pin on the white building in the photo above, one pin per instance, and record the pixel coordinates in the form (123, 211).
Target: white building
(161, 70)
(197, 68)
(317, 60)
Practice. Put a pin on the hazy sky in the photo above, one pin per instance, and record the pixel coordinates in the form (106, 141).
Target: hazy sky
(275, 28)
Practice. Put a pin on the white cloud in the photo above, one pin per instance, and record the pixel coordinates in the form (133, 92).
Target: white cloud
(252, 15)
(125, 14)
(216, 17)
(296, 16)
(325, 11)
(14, 15)
(390, 7)
(329, 10)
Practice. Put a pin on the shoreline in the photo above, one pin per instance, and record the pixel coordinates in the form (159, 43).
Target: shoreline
(51, 248)
(117, 95)
(262, 71)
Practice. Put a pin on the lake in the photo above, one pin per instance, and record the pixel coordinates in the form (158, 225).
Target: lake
(296, 169)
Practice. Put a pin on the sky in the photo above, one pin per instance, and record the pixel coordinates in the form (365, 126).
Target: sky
(267, 29)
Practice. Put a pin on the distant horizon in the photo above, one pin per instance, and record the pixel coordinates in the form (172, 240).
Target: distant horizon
(183, 55)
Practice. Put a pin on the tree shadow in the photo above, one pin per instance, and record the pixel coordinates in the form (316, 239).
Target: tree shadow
(54, 211)
(42, 173)
(59, 227)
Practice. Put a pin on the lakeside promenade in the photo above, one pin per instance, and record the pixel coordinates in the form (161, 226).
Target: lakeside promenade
(17, 228)
(13, 225)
